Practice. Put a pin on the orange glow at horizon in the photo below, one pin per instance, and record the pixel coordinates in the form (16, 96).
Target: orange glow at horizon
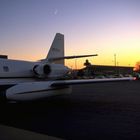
(126, 55)
(127, 50)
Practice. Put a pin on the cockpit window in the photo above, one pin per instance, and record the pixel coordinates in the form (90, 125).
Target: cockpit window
(6, 68)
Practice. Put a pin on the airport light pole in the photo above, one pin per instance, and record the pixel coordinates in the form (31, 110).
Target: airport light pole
(115, 59)
(115, 63)
(75, 63)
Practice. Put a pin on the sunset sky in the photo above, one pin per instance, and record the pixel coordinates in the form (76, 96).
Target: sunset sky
(103, 27)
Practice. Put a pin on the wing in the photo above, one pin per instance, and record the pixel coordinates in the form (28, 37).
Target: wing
(90, 81)
(5, 84)
(36, 90)
(14, 81)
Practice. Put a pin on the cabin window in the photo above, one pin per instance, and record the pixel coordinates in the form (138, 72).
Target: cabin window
(6, 68)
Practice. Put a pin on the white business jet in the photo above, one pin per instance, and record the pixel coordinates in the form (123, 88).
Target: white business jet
(25, 80)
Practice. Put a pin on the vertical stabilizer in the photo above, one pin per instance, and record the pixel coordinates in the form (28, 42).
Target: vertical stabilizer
(57, 49)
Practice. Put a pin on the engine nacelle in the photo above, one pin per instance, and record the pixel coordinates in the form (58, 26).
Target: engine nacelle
(42, 71)
(52, 71)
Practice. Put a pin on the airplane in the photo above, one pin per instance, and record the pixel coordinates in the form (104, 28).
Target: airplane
(25, 80)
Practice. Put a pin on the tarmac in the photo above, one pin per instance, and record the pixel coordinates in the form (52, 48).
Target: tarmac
(11, 133)
(95, 111)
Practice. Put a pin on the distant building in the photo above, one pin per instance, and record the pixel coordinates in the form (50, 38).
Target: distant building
(4, 56)
(105, 70)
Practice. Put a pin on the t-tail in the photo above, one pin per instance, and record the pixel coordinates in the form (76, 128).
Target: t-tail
(56, 51)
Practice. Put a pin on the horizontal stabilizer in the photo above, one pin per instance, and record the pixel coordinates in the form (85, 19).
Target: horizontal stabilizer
(72, 57)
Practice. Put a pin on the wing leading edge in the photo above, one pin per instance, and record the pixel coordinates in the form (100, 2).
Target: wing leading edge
(90, 81)
(42, 89)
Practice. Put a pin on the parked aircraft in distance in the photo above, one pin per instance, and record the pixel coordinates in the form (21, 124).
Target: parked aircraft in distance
(25, 80)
